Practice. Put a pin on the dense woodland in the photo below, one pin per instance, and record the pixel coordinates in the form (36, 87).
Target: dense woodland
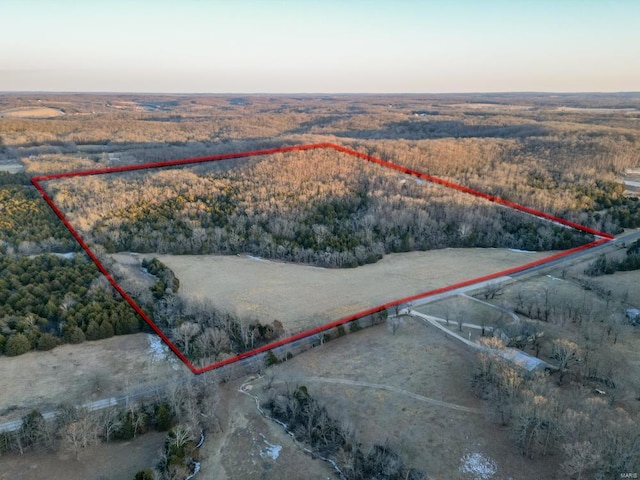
(49, 293)
(46, 300)
(318, 207)
(27, 224)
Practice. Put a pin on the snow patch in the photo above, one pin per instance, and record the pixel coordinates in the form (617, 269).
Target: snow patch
(196, 469)
(271, 451)
(478, 466)
(517, 250)
(158, 350)
(257, 259)
(145, 271)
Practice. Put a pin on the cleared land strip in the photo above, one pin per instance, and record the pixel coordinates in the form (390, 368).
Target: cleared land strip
(388, 388)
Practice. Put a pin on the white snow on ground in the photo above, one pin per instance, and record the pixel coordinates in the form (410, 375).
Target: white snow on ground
(257, 259)
(159, 352)
(271, 451)
(477, 466)
(157, 348)
(145, 271)
(517, 250)
(555, 278)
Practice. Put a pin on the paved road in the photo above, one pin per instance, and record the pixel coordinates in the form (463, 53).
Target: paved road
(14, 425)
(628, 237)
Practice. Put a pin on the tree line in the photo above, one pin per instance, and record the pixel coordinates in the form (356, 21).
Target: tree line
(607, 265)
(202, 332)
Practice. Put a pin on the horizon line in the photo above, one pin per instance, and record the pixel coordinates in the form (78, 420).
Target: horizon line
(195, 93)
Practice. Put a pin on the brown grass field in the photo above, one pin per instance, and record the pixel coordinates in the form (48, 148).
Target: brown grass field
(429, 432)
(88, 371)
(32, 112)
(403, 388)
(303, 296)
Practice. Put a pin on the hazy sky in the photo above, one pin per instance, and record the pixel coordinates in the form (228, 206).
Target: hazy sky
(265, 46)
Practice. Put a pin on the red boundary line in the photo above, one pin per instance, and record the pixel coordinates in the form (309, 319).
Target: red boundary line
(603, 238)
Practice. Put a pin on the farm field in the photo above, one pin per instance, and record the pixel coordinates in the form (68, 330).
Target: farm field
(32, 112)
(303, 296)
(367, 380)
(297, 295)
(83, 373)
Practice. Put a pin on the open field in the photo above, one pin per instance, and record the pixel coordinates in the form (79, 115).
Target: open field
(82, 373)
(303, 296)
(31, 112)
(115, 461)
(410, 389)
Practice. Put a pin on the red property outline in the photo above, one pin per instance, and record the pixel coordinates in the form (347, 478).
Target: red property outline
(602, 238)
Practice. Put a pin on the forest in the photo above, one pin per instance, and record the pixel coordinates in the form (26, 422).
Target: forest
(49, 292)
(27, 225)
(316, 207)
(47, 299)
(563, 154)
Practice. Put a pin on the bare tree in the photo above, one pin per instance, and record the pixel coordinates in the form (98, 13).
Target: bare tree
(580, 457)
(566, 353)
(459, 319)
(505, 393)
(213, 341)
(614, 326)
(110, 422)
(536, 422)
(549, 295)
(184, 334)
(492, 290)
(80, 434)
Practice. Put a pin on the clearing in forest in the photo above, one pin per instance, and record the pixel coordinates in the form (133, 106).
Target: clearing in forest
(321, 205)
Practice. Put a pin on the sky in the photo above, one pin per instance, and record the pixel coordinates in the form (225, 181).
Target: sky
(323, 46)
